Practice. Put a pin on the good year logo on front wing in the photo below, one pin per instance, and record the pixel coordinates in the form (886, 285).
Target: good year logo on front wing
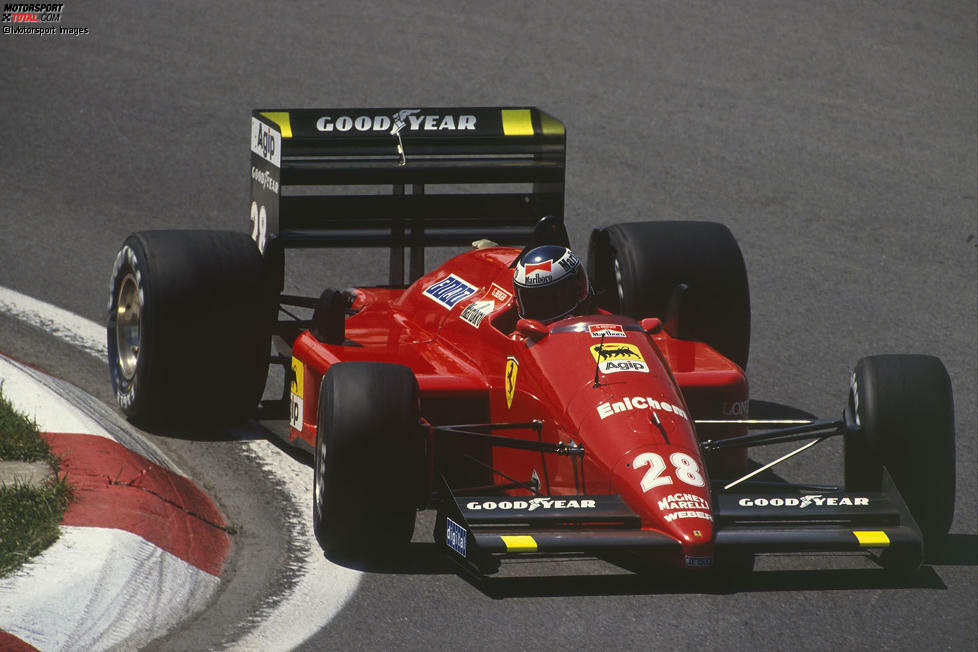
(532, 504)
(801, 502)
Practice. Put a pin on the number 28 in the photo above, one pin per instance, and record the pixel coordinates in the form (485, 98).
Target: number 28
(259, 225)
(685, 467)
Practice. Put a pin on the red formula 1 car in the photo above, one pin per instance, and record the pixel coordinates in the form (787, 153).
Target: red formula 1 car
(621, 426)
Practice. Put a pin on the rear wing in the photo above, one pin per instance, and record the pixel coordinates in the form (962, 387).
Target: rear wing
(303, 162)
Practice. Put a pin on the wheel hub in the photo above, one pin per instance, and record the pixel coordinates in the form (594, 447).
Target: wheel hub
(127, 332)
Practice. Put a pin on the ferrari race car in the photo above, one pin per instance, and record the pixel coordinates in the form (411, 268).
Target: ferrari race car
(622, 425)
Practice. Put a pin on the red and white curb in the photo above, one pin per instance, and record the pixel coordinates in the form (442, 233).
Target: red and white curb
(317, 588)
(140, 549)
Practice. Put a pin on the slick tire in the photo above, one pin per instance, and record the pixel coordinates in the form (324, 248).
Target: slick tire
(368, 475)
(188, 328)
(904, 410)
(635, 268)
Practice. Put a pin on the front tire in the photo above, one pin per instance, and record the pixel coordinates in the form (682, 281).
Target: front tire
(188, 328)
(904, 410)
(368, 476)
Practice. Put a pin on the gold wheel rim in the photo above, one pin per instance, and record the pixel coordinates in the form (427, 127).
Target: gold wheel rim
(127, 332)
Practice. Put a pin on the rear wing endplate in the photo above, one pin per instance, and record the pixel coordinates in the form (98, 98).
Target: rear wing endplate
(303, 162)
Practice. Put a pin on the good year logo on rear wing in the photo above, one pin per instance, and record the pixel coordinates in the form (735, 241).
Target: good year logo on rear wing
(410, 119)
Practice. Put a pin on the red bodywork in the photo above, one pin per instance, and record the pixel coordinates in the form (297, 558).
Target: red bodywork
(636, 425)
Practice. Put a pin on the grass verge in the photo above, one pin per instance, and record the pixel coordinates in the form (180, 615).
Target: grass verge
(29, 515)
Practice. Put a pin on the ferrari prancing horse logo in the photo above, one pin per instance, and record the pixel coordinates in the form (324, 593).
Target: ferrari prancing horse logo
(512, 366)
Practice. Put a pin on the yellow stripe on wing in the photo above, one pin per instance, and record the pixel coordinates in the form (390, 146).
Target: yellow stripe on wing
(521, 543)
(872, 538)
(517, 122)
(281, 118)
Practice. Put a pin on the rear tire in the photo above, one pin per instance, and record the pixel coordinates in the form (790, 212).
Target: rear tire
(188, 328)
(635, 268)
(368, 476)
(905, 411)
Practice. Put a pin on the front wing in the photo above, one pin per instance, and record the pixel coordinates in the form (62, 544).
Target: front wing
(478, 530)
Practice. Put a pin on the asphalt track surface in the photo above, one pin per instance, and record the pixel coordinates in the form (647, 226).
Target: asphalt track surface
(837, 140)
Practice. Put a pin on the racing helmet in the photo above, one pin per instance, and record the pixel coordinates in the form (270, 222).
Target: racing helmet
(549, 283)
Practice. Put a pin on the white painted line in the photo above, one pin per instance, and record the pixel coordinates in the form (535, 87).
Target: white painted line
(78, 331)
(99, 588)
(321, 588)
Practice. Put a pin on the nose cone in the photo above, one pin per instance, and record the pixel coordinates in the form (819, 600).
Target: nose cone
(668, 488)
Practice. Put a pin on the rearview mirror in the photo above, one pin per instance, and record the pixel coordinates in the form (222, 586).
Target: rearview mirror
(651, 325)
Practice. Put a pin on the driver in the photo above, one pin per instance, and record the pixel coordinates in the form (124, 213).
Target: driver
(550, 283)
